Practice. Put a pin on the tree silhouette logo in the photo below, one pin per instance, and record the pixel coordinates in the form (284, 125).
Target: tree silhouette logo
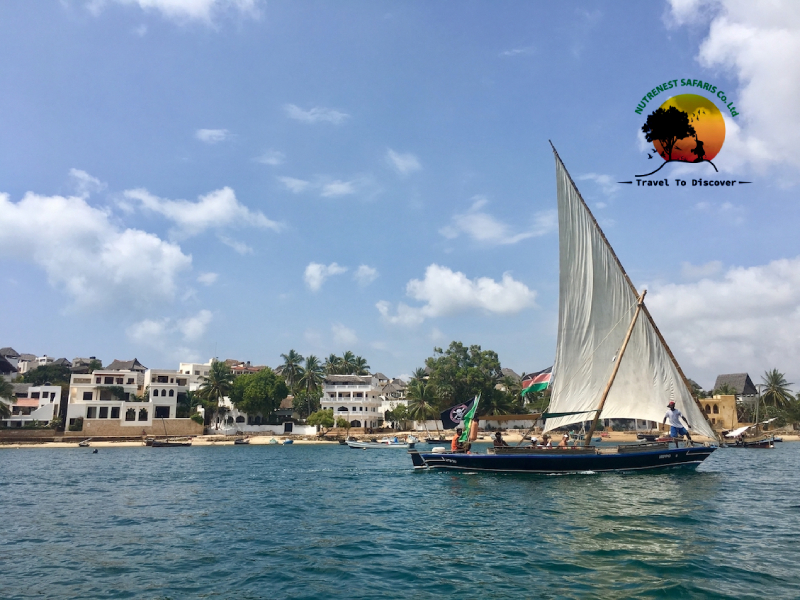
(687, 128)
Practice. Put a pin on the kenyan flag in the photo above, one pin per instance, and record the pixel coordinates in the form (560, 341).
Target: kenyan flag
(536, 382)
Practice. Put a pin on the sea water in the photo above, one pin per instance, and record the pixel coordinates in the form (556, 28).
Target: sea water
(324, 521)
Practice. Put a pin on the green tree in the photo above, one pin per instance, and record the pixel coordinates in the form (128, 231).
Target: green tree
(7, 394)
(776, 389)
(460, 372)
(333, 365)
(348, 363)
(292, 368)
(304, 403)
(95, 365)
(323, 419)
(725, 389)
(187, 404)
(360, 366)
(52, 374)
(343, 423)
(311, 378)
(667, 126)
(259, 393)
(214, 387)
(399, 414)
(422, 401)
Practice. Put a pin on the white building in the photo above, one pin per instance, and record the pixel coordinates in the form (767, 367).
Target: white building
(34, 403)
(356, 398)
(195, 373)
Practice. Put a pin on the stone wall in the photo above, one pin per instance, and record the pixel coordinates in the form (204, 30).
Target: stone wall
(109, 428)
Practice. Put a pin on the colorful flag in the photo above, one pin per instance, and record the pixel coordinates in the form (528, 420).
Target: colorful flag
(536, 382)
(453, 417)
(468, 418)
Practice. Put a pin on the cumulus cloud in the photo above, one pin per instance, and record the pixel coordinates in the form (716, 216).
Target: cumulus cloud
(746, 320)
(212, 136)
(316, 274)
(759, 44)
(318, 114)
(343, 336)
(239, 246)
(483, 227)
(86, 255)
(207, 278)
(295, 185)
(695, 272)
(365, 275)
(85, 184)
(446, 292)
(337, 188)
(215, 210)
(200, 10)
(403, 163)
(272, 158)
(159, 333)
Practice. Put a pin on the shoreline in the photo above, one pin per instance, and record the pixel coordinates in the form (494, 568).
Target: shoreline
(264, 440)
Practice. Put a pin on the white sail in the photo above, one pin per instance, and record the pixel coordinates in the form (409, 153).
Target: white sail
(596, 304)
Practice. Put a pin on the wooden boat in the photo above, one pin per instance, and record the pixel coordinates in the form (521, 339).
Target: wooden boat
(647, 437)
(738, 439)
(84, 443)
(439, 440)
(604, 330)
(171, 443)
(241, 441)
(381, 444)
(287, 442)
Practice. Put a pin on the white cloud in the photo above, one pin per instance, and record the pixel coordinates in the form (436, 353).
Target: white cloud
(217, 209)
(343, 336)
(239, 246)
(271, 157)
(85, 184)
(160, 333)
(483, 227)
(403, 163)
(727, 212)
(212, 136)
(294, 185)
(526, 50)
(695, 272)
(606, 183)
(446, 292)
(747, 320)
(140, 31)
(759, 43)
(200, 10)
(86, 255)
(316, 274)
(365, 275)
(317, 114)
(338, 188)
(207, 278)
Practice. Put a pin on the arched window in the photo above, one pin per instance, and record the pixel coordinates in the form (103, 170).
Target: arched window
(240, 419)
(342, 409)
(163, 392)
(143, 414)
(155, 393)
(355, 423)
(171, 393)
(708, 409)
(716, 409)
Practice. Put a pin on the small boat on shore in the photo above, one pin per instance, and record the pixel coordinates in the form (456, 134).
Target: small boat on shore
(287, 442)
(171, 443)
(241, 441)
(84, 443)
(381, 444)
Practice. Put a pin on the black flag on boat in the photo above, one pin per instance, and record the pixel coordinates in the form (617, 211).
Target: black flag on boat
(454, 416)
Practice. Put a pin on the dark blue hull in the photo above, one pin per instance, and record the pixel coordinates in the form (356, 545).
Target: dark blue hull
(555, 461)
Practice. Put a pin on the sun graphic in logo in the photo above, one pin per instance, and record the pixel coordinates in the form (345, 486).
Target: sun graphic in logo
(686, 128)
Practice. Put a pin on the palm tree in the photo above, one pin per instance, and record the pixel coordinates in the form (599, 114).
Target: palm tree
(498, 403)
(422, 402)
(6, 392)
(214, 387)
(725, 389)
(348, 363)
(360, 365)
(291, 368)
(313, 374)
(333, 365)
(776, 389)
(420, 374)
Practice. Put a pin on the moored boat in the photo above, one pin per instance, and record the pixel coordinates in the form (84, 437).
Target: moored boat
(611, 362)
(241, 441)
(171, 443)
(382, 444)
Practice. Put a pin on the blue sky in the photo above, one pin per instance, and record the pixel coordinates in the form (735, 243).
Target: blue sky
(182, 179)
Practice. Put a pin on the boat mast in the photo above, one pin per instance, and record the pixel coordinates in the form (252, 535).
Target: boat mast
(633, 288)
(639, 304)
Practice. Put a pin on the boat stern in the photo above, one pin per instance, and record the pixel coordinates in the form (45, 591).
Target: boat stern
(417, 460)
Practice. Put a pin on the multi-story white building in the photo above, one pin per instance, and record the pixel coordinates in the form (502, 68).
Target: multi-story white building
(34, 403)
(130, 398)
(195, 373)
(353, 397)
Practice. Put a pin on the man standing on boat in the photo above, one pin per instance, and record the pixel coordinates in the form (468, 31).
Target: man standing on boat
(455, 445)
(675, 428)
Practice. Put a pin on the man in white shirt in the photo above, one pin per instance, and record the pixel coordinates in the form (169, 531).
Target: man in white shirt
(674, 417)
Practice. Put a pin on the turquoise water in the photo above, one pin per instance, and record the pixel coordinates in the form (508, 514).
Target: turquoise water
(326, 521)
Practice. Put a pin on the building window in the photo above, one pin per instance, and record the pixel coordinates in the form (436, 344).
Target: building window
(130, 414)
(708, 409)
(105, 395)
(716, 409)
(115, 412)
(91, 412)
(361, 408)
(87, 395)
(354, 408)
(171, 393)
(97, 380)
(162, 412)
(143, 414)
(103, 414)
(130, 380)
(163, 392)
(713, 421)
(197, 372)
(119, 380)
(108, 380)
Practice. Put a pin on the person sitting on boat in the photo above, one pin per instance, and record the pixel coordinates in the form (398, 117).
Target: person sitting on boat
(498, 440)
(546, 442)
(455, 445)
(675, 428)
(564, 441)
